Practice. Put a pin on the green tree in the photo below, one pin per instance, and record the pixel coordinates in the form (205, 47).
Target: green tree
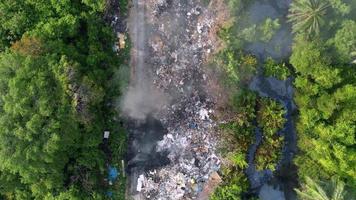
(307, 16)
(277, 70)
(326, 124)
(15, 19)
(345, 40)
(313, 191)
(43, 129)
(55, 58)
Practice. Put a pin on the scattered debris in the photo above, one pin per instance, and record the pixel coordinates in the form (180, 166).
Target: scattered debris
(182, 39)
(121, 40)
(106, 134)
(140, 183)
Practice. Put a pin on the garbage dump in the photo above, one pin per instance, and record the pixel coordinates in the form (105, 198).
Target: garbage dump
(182, 38)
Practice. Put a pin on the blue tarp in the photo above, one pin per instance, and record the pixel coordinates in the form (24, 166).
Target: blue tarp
(109, 194)
(113, 173)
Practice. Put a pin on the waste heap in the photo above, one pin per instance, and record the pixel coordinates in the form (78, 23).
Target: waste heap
(182, 38)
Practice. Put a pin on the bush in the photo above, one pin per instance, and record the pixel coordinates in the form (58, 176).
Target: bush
(268, 29)
(262, 32)
(241, 129)
(279, 71)
(270, 118)
(269, 153)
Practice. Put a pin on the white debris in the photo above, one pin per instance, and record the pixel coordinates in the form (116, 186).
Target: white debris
(140, 181)
(106, 134)
(204, 114)
(170, 136)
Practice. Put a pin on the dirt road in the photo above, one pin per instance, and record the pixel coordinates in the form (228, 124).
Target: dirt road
(137, 30)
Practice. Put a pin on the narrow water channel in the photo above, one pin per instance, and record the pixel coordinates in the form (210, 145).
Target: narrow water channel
(280, 184)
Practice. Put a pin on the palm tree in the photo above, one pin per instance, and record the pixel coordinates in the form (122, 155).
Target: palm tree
(313, 191)
(307, 15)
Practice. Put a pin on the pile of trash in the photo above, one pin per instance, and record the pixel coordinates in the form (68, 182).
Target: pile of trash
(181, 40)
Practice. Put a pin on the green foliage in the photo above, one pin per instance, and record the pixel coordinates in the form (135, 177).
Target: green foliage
(234, 5)
(310, 60)
(96, 5)
(268, 28)
(238, 135)
(16, 18)
(55, 63)
(307, 16)
(345, 40)
(239, 160)
(340, 6)
(239, 67)
(325, 115)
(227, 192)
(269, 153)
(124, 6)
(249, 34)
(35, 103)
(325, 91)
(313, 191)
(247, 67)
(279, 71)
(238, 132)
(260, 32)
(244, 103)
(270, 118)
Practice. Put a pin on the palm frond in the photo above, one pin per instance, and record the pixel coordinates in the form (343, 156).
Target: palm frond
(307, 15)
(311, 190)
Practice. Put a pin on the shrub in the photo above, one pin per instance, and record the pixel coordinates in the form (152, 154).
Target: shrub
(270, 118)
(279, 71)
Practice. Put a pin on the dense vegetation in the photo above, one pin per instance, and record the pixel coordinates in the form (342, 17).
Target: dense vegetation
(326, 96)
(246, 111)
(55, 62)
(270, 118)
(238, 134)
(323, 61)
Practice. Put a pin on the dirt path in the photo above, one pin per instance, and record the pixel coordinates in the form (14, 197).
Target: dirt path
(137, 30)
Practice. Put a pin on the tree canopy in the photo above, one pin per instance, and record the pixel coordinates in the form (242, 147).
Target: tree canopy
(54, 58)
(325, 94)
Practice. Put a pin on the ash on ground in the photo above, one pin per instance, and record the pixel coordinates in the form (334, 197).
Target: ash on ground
(181, 38)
